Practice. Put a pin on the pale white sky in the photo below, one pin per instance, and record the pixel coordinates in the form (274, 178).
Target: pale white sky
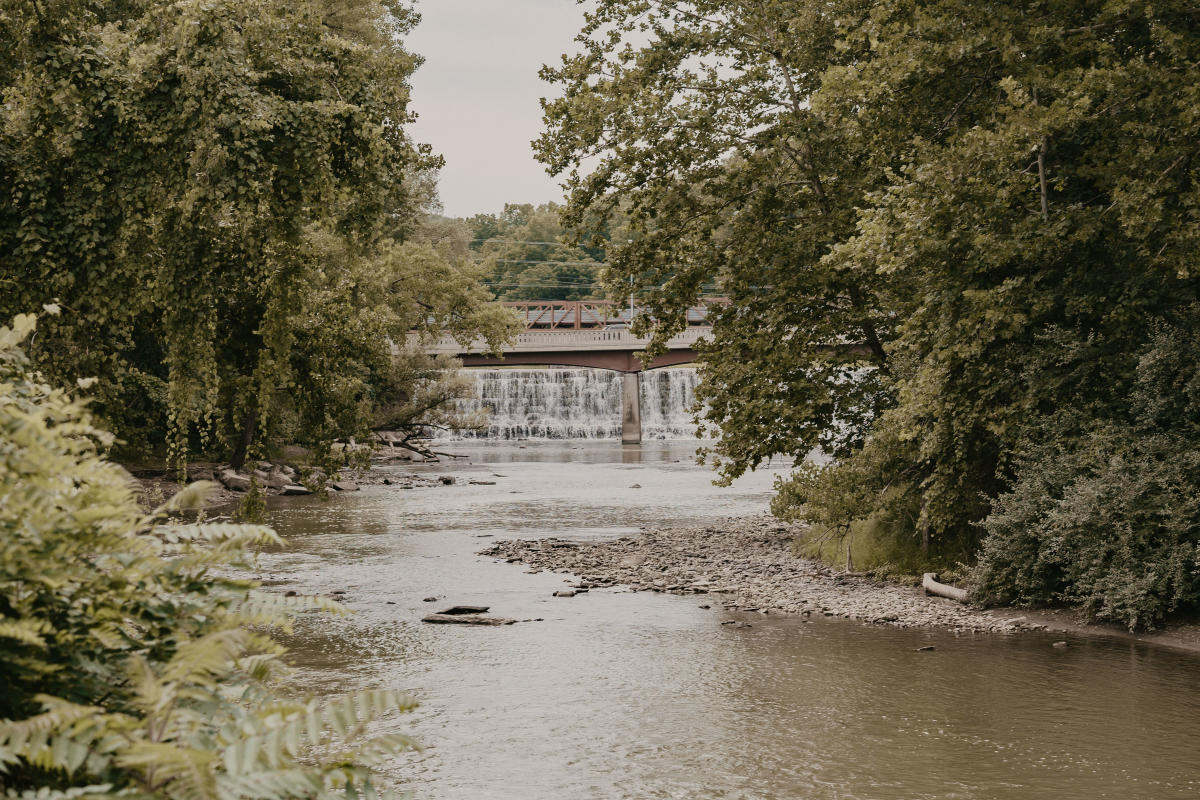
(477, 95)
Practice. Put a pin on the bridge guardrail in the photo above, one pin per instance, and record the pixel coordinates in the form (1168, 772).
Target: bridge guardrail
(550, 340)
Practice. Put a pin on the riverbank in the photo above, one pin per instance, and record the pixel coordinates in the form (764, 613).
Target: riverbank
(747, 564)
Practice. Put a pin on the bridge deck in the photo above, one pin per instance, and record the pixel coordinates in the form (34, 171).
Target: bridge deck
(612, 348)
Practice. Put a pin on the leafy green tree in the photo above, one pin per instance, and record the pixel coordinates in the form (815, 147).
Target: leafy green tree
(130, 664)
(531, 256)
(176, 172)
(937, 225)
(698, 115)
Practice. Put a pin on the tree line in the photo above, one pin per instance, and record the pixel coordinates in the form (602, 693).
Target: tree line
(958, 242)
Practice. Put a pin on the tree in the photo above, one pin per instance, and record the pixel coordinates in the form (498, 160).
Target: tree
(176, 174)
(130, 665)
(706, 141)
(531, 258)
(936, 224)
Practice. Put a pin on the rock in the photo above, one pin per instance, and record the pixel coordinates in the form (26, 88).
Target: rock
(387, 481)
(465, 610)
(391, 602)
(466, 619)
(344, 486)
(430, 600)
(261, 474)
(565, 593)
(447, 480)
(635, 486)
(926, 648)
(706, 606)
(295, 489)
(234, 481)
(278, 480)
(1059, 644)
(482, 483)
(290, 593)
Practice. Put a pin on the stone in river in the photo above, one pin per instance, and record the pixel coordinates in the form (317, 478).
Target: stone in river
(482, 483)
(466, 619)
(345, 486)
(448, 480)
(465, 609)
(926, 648)
(234, 481)
(565, 593)
(430, 600)
(1059, 644)
(295, 489)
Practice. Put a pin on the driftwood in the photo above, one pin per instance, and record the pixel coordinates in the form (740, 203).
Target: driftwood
(932, 586)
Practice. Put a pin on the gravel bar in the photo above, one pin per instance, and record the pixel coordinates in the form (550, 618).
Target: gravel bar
(747, 564)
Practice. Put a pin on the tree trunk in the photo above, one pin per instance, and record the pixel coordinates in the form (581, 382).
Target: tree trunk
(249, 429)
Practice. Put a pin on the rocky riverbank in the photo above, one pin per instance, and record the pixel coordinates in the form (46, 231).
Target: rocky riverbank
(748, 564)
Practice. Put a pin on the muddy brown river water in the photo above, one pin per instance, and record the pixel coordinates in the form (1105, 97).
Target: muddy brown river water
(636, 695)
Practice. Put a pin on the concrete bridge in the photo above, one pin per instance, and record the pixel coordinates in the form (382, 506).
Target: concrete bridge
(599, 348)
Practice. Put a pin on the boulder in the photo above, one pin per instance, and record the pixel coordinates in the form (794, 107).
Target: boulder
(344, 486)
(448, 480)
(565, 593)
(294, 489)
(278, 480)
(232, 480)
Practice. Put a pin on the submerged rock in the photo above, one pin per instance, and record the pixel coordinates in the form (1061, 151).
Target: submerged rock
(466, 619)
(465, 609)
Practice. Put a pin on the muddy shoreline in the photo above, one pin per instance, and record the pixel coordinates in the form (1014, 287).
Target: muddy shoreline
(747, 565)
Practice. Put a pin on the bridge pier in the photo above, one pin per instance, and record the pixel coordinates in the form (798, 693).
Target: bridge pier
(631, 408)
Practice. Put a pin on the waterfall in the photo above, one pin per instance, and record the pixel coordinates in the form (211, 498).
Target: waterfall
(579, 403)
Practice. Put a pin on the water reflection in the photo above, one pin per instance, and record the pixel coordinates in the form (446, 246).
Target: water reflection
(623, 695)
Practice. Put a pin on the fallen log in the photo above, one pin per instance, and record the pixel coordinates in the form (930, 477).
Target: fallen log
(931, 586)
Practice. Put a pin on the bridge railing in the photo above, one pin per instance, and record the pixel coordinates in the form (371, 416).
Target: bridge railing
(569, 339)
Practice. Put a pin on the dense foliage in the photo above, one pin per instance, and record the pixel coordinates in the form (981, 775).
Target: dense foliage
(222, 196)
(530, 256)
(940, 226)
(129, 666)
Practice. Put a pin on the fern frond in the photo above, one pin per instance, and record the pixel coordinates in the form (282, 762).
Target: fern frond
(270, 785)
(189, 498)
(25, 630)
(98, 792)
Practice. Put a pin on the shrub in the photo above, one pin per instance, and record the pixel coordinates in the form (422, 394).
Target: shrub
(1107, 514)
(129, 662)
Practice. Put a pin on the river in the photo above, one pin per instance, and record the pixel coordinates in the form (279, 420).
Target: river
(637, 695)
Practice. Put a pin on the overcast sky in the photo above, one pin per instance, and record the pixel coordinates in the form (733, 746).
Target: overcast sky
(477, 95)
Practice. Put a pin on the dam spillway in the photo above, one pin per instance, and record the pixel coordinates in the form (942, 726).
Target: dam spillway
(579, 403)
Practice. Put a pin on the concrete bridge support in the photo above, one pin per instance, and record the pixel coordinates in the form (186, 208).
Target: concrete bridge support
(631, 408)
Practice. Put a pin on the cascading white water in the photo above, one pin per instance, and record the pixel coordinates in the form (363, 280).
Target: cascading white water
(579, 403)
